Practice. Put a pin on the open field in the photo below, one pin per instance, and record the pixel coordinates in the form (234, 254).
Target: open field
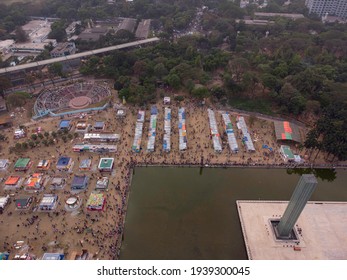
(101, 232)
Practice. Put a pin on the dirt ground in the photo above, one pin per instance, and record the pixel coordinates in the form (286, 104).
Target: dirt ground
(100, 232)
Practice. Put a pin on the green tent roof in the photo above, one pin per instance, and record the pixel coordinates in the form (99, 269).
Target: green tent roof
(106, 163)
(288, 152)
(22, 162)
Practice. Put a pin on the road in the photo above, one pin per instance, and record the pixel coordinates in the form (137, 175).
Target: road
(76, 56)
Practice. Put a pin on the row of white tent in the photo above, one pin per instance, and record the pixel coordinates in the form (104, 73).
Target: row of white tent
(138, 131)
(228, 127)
(152, 130)
(246, 137)
(182, 129)
(167, 130)
(102, 137)
(136, 147)
(217, 143)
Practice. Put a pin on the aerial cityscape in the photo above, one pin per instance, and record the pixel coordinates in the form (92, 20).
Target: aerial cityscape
(173, 129)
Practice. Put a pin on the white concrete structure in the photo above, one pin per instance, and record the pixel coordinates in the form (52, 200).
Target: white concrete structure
(5, 47)
(76, 55)
(321, 231)
(330, 7)
(37, 30)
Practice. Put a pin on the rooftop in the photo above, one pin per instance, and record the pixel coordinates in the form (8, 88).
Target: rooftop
(64, 124)
(292, 16)
(142, 30)
(99, 124)
(106, 163)
(79, 180)
(95, 199)
(287, 131)
(85, 163)
(63, 161)
(128, 24)
(22, 163)
(321, 230)
(12, 180)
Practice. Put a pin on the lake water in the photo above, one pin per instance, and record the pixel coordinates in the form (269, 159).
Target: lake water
(190, 213)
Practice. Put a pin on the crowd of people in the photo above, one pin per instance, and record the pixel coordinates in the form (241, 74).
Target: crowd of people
(102, 233)
(59, 98)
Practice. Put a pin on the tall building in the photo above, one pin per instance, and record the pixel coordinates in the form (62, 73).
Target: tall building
(330, 7)
(300, 196)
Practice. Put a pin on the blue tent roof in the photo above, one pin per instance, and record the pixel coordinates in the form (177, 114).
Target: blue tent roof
(64, 124)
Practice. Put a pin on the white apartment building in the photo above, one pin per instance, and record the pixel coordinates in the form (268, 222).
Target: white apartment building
(330, 7)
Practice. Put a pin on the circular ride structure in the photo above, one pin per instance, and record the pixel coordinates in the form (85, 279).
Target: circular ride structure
(72, 97)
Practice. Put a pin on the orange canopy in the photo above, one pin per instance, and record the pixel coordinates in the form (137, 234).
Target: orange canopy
(12, 180)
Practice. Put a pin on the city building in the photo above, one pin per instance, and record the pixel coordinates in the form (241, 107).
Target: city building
(93, 34)
(63, 49)
(33, 48)
(327, 7)
(70, 30)
(37, 30)
(128, 24)
(143, 29)
(5, 48)
(271, 15)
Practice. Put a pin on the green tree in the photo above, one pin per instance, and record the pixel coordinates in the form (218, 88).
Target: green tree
(58, 31)
(200, 92)
(174, 81)
(45, 142)
(31, 144)
(5, 83)
(56, 69)
(160, 70)
(21, 36)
